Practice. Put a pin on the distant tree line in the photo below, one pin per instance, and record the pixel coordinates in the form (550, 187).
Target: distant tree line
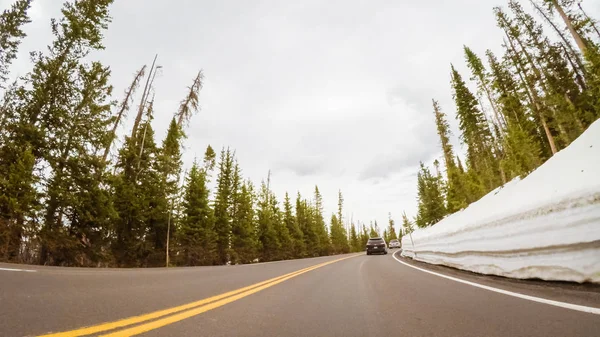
(540, 95)
(65, 200)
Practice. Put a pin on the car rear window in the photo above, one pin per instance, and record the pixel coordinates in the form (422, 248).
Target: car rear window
(394, 241)
(375, 240)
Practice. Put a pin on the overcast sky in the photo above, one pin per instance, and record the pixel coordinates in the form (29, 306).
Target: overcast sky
(334, 93)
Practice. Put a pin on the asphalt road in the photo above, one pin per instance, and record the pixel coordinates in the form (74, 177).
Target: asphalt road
(357, 296)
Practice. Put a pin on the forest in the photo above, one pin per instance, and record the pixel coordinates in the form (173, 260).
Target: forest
(527, 104)
(71, 196)
(68, 199)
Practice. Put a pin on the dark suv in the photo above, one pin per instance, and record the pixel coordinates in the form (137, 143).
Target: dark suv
(376, 245)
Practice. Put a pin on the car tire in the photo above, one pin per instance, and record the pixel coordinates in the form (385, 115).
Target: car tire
(368, 253)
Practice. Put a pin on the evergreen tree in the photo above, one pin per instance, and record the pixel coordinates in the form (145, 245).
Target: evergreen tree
(373, 231)
(244, 240)
(319, 224)
(339, 239)
(222, 204)
(283, 235)
(355, 240)
(298, 248)
(138, 198)
(477, 136)
(306, 223)
(522, 142)
(407, 225)
(269, 240)
(11, 34)
(196, 235)
(481, 76)
(431, 207)
(456, 194)
(364, 237)
(391, 229)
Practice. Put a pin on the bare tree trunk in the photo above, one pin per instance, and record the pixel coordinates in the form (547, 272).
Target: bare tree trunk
(124, 108)
(572, 30)
(138, 118)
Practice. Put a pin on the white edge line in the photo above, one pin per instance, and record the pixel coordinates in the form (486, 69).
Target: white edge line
(24, 270)
(582, 308)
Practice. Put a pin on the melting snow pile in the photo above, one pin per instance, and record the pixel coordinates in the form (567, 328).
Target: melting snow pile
(545, 226)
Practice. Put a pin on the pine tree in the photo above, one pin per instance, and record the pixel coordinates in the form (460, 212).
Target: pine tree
(298, 248)
(138, 198)
(222, 203)
(338, 237)
(477, 136)
(50, 124)
(521, 141)
(391, 229)
(530, 77)
(430, 198)
(482, 78)
(364, 237)
(407, 225)
(319, 223)
(269, 240)
(373, 232)
(456, 194)
(18, 200)
(169, 167)
(11, 34)
(283, 235)
(355, 240)
(244, 240)
(196, 235)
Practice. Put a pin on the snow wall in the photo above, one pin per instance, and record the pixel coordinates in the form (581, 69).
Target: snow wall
(545, 226)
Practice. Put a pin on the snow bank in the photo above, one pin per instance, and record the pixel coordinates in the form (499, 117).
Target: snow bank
(545, 226)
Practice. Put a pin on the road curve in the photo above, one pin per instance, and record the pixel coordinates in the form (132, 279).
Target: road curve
(347, 295)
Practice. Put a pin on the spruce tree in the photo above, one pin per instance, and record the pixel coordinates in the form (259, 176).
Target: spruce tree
(355, 240)
(338, 237)
(477, 136)
(279, 226)
(244, 240)
(391, 229)
(11, 34)
(456, 194)
(373, 232)
(222, 203)
(430, 198)
(270, 245)
(298, 248)
(319, 224)
(481, 76)
(196, 235)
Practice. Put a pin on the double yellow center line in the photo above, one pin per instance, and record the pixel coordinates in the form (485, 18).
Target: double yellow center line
(157, 319)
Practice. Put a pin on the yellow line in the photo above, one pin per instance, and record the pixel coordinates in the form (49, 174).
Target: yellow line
(157, 314)
(193, 312)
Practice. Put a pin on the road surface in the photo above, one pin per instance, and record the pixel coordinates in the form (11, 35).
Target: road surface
(347, 295)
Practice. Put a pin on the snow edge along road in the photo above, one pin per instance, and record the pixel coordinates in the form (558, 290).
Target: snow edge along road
(576, 307)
